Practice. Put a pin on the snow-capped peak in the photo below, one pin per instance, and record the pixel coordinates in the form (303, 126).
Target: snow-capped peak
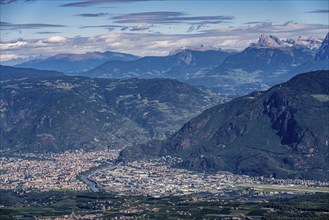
(309, 42)
(268, 41)
(273, 41)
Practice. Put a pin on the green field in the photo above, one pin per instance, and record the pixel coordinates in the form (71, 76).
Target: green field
(321, 97)
(55, 204)
(282, 188)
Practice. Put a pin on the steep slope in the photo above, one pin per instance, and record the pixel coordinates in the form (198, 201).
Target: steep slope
(323, 51)
(178, 66)
(75, 63)
(283, 132)
(320, 61)
(61, 113)
(12, 73)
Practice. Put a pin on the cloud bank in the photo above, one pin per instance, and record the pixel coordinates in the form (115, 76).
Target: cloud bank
(149, 43)
(88, 3)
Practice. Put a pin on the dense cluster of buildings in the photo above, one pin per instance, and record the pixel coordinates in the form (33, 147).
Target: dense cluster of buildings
(157, 178)
(82, 170)
(50, 171)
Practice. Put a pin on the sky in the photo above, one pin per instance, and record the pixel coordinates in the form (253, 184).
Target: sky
(30, 28)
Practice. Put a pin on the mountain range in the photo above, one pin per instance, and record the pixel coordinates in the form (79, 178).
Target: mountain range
(76, 63)
(264, 64)
(181, 65)
(269, 61)
(282, 132)
(203, 47)
(261, 65)
(42, 113)
(273, 41)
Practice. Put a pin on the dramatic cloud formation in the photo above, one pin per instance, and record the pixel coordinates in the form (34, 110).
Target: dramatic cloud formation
(87, 3)
(93, 15)
(47, 32)
(198, 26)
(167, 17)
(288, 29)
(141, 27)
(3, 2)
(318, 11)
(10, 26)
(147, 20)
(108, 27)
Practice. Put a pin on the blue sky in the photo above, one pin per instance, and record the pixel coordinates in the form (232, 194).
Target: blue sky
(48, 27)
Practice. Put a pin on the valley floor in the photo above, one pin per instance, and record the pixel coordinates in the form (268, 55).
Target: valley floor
(85, 171)
(77, 179)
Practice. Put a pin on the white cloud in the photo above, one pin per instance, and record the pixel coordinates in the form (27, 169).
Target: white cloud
(12, 45)
(56, 39)
(141, 27)
(5, 57)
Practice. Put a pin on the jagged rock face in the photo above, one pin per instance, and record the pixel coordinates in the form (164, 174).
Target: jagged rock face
(268, 41)
(323, 52)
(281, 132)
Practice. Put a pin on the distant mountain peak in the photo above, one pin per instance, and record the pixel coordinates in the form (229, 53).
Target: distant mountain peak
(311, 42)
(202, 47)
(272, 41)
(268, 41)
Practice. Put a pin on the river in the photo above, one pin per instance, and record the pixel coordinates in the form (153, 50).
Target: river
(92, 184)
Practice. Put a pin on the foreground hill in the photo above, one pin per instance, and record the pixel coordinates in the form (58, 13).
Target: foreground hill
(75, 63)
(282, 132)
(62, 113)
(12, 73)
